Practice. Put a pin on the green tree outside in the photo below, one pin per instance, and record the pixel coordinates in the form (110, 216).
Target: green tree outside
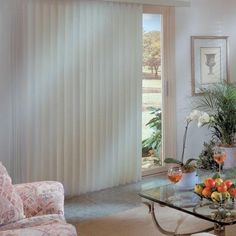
(151, 51)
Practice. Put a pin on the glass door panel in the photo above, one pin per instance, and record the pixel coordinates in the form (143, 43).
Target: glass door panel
(151, 93)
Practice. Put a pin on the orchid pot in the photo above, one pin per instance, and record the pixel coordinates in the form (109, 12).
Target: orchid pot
(188, 180)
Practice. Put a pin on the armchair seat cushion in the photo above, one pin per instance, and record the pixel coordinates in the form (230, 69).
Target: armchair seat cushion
(34, 221)
(40, 226)
(53, 225)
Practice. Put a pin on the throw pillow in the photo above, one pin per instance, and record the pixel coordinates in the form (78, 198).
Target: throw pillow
(11, 205)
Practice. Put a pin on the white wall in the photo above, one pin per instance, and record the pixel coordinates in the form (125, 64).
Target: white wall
(204, 17)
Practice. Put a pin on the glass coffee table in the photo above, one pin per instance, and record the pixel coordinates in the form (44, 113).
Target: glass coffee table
(190, 203)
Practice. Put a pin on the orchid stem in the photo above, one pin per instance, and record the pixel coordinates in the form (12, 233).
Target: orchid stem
(184, 141)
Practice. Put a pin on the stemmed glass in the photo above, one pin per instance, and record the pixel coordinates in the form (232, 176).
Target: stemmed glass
(219, 157)
(174, 175)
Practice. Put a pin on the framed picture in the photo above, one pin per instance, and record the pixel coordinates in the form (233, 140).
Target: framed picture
(209, 61)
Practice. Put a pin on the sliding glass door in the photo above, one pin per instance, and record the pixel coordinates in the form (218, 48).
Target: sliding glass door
(151, 92)
(157, 90)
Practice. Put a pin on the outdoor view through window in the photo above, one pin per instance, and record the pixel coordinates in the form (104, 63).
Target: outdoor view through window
(151, 97)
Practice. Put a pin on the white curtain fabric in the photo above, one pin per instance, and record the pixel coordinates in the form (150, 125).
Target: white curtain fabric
(75, 72)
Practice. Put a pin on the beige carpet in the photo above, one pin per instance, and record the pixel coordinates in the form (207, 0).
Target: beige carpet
(137, 222)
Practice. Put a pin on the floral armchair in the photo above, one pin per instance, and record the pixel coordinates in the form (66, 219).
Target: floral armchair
(32, 209)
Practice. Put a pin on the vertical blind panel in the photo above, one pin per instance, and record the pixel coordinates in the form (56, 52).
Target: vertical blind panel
(6, 88)
(77, 93)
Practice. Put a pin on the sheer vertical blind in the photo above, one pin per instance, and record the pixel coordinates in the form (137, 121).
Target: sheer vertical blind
(75, 70)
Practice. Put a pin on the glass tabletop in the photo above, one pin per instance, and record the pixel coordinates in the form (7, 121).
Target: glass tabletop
(189, 202)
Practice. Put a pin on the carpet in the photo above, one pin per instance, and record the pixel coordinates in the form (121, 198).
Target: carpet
(137, 222)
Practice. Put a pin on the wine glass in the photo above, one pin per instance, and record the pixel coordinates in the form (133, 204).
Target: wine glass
(174, 175)
(219, 157)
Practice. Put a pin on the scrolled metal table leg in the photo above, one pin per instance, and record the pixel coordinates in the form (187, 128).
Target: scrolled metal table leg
(152, 212)
(219, 230)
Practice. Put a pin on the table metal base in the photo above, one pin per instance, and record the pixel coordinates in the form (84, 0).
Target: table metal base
(218, 229)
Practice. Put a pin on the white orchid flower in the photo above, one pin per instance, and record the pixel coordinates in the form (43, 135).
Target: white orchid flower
(203, 119)
(212, 119)
(194, 116)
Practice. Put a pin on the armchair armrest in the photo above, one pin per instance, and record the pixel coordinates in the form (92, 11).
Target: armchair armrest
(41, 198)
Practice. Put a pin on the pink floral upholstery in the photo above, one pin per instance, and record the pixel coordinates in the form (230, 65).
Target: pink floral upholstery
(41, 198)
(42, 203)
(53, 225)
(34, 221)
(57, 229)
(11, 206)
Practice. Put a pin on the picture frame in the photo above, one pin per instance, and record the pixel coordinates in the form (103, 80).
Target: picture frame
(209, 61)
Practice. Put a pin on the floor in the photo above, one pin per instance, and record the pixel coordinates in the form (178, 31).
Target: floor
(109, 201)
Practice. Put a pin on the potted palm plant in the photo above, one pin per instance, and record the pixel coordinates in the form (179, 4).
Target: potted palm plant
(219, 101)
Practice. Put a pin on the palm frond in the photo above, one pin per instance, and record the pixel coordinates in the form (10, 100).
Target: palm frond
(220, 102)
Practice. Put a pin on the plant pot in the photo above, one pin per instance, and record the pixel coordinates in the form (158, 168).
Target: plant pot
(230, 161)
(188, 180)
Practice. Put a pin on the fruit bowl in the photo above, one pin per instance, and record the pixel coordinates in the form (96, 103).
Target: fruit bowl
(216, 189)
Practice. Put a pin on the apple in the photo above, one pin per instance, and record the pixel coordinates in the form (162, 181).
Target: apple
(210, 183)
(222, 188)
(232, 192)
(206, 192)
(218, 181)
(228, 183)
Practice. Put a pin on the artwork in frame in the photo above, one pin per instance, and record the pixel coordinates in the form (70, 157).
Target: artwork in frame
(209, 61)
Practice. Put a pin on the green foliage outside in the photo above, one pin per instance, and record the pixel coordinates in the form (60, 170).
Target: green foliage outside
(152, 145)
(152, 51)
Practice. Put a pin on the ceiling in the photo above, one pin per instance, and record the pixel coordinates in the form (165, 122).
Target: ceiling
(178, 3)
